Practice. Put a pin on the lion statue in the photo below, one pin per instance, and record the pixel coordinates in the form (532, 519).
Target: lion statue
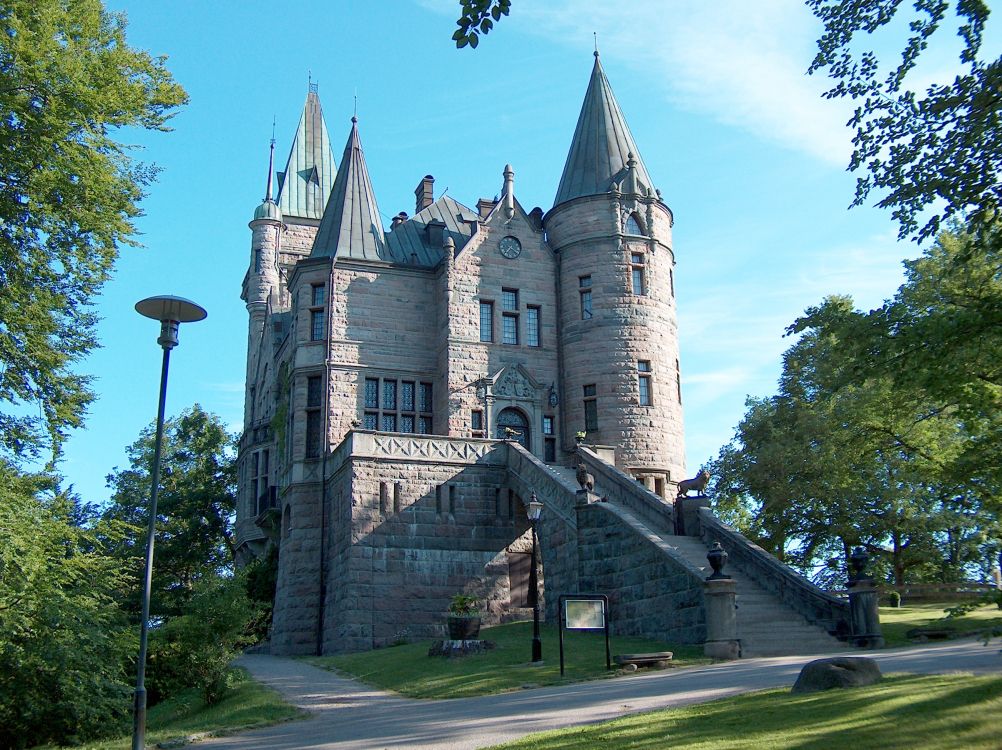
(586, 480)
(697, 483)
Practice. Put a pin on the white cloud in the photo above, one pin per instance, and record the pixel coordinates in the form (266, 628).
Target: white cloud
(741, 63)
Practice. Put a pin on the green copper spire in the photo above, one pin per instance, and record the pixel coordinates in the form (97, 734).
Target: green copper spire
(602, 147)
(351, 227)
(309, 174)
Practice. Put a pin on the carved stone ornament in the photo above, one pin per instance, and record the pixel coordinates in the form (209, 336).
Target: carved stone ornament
(513, 384)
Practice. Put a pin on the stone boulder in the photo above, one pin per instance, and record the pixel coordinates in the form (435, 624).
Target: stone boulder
(837, 672)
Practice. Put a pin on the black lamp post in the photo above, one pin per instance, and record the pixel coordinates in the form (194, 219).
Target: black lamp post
(171, 312)
(535, 510)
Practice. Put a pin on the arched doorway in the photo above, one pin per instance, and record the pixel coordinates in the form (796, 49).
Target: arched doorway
(512, 425)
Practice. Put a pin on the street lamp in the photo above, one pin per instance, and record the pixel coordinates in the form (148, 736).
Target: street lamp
(534, 511)
(171, 312)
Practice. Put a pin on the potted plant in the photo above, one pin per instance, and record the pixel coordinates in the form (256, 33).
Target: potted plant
(579, 436)
(464, 618)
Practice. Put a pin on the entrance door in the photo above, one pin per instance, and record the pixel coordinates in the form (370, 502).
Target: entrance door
(512, 425)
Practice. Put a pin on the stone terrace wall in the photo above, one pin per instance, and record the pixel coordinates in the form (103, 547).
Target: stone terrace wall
(651, 592)
(417, 520)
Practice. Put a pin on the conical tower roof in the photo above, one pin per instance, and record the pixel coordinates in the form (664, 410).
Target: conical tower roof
(351, 227)
(309, 174)
(602, 145)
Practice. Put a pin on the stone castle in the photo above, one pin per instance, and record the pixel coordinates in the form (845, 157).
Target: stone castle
(409, 389)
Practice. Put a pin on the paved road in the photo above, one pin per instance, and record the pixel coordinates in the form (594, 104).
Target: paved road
(351, 716)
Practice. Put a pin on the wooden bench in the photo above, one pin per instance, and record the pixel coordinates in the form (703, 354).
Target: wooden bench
(657, 660)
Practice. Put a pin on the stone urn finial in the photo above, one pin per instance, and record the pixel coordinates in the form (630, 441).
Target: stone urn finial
(717, 557)
(857, 564)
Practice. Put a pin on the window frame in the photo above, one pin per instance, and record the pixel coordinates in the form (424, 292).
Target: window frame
(585, 287)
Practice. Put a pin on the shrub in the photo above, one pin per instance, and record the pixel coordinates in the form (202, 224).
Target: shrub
(194, 650)
(895, 598)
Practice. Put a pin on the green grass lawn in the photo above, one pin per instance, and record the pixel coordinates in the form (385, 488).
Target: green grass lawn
(408, 669)
(896, 621)
(247, 704)
(938, 712)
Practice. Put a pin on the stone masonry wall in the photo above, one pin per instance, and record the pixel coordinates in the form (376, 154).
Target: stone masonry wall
(650, 593)
(415, 520)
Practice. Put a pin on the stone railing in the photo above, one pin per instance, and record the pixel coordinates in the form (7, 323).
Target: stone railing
(818, 606)
(435, 449)
(626, 491)
(558, 524)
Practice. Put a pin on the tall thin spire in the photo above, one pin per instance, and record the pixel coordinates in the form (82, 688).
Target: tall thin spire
(351, 227)
(602, 147)
(271, 161)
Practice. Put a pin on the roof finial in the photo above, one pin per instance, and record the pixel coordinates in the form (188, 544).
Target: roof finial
(271, 161)
(595, 34)
(354, 114)
(311, 86)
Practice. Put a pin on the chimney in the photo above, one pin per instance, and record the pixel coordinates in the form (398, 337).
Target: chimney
(424, 193)
(485, 206)
(400, 218)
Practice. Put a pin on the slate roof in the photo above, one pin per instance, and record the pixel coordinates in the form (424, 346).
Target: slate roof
(351, 227)
(601, 146)
(412, 237)
(309, 174)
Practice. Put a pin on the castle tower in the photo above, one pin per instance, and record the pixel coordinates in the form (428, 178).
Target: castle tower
(619, 337)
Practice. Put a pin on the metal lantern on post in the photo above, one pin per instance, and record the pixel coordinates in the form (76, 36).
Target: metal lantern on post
(534, 512)
(171, 312)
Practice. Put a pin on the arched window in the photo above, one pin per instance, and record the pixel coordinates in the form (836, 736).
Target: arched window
(633, 225)
(512, 425)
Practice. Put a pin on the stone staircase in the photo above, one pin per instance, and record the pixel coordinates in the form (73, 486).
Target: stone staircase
(766, 626)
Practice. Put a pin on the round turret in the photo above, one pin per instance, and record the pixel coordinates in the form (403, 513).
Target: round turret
(268, 210)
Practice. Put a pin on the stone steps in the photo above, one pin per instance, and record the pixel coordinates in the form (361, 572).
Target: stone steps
(766, 626)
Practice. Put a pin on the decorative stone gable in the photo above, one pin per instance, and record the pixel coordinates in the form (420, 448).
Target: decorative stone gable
(515, 384)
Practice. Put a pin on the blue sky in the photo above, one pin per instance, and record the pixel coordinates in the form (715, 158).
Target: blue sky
(746, 152)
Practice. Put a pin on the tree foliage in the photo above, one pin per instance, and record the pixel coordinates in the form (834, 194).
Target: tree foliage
(478, 17)
(195, 506)
(69, 82)
(65, 648)
(931, 155)
(885, 427)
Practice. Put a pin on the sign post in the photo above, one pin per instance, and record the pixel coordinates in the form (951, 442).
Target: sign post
(584, 612)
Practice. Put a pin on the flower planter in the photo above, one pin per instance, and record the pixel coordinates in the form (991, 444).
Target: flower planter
(463, 628)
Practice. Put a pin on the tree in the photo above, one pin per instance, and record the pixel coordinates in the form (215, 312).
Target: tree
(195, 507)
(68, 195)
(65, 648)
(938, 151)
(839, 458)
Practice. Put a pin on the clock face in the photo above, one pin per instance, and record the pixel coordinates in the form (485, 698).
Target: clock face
(510, 247)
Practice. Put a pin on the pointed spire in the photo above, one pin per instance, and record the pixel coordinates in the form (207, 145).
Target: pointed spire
(602, 145)
(351, 227)
(271, 162)
(309, 174)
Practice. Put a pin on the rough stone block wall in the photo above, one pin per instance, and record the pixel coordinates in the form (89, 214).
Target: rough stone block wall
(480, 273)
(407, 536)
(297, 599)
(625, 328)
(649, 594)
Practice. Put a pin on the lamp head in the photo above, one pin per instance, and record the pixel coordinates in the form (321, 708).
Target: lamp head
(535, 508)
(171, 312)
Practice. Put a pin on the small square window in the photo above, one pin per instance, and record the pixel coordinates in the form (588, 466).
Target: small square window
(509, 300)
